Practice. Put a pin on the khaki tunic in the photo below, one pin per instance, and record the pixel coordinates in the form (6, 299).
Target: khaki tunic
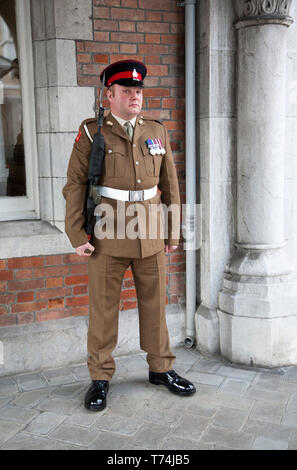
(127, 165)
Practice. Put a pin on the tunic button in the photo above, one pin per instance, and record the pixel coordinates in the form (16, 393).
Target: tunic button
(138, 181)
(136, 163)
(109, 151)
(134, 145)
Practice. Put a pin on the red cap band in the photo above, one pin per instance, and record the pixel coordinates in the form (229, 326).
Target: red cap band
(128, 74)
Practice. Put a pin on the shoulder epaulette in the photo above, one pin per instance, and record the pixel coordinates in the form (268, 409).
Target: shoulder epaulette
(85, 126)
(148, 118)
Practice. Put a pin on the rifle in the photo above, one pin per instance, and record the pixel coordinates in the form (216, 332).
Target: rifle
(94, 173)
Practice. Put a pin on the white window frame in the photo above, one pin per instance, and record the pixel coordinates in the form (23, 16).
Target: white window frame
(25, 207)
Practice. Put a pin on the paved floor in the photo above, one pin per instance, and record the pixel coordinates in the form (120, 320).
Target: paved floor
(234, 408)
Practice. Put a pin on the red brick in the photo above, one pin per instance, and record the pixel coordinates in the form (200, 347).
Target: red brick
(127, 26)
(128, 294)
(154, 103)
(128, 304)
(56, 303)
(173, 59)
(73, 259)
(106, 25)
(127, 37)
(177, 28)
(75, 301)
(174, 16)
(25, 285)
(79, 290)
(93, 69)
(156, 4)
(23, 274)
(152, 49)
(7, 298)
(53, 260)
(8, 320)
(84, 58)
(54, 282)
(53, 293)
(3, 310)
(157, 69)
(169, 103)
(108, 3)
(97, 47)
(100, 59)
(180, 258)
(23, 318)
(178, 114)
(25, 297)
(173, 125)
(30, 262)
(126, 14)
(6, 275)
(78, 269)
(51, 271)
(3, 286)
(152, 38)
(152, 27)
(77, 311)
(101, 36)
(172, 39)
(101, 12)
(153, 16)
(152, 59)
(176, 268)
(71, 280)
(129, 3)
(53, 314)
(130, 48)
(88, 81)
(28, 307)
(124, 57)
(80, 46)
(152, 92)
(3, 264)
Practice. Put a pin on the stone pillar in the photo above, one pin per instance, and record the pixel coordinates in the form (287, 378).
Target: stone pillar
(258, 301)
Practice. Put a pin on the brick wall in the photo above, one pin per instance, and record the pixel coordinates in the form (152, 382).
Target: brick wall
(51, 287)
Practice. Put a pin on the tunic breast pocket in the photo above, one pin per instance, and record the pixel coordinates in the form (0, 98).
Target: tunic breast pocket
(115, 161)
(152, 163)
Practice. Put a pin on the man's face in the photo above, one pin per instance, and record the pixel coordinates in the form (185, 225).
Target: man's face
(125, 102)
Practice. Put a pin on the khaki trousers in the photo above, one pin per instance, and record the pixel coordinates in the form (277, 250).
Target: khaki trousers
(105, 282)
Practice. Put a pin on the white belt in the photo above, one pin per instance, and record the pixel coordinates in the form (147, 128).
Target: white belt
(123, 195)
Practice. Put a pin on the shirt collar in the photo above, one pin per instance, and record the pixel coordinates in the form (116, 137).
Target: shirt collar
(122, 121)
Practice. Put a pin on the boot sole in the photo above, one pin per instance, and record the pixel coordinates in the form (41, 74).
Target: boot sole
(95, 408)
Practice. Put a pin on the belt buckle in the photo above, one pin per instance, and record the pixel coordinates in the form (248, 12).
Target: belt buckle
(136, 195)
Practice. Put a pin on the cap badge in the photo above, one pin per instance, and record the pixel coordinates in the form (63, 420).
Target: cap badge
(135, 75)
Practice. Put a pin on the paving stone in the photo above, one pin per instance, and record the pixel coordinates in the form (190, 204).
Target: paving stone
(24, 441)
(226, 438)
(230, 418)
(234, 387)
(267, 395)
(31, 399)
(270, 412)
(4, 401)
(45, 423)
(118, 424)
(292, 403)
(291, 375)
(8, 386)
(290, 419)
(71, 390)
(109, 441)
(236, 373)
(76, 435)
(185, 356)
(234, 402)
(81, 372)
(264, 443)
(134, 386)
(125, 405)
(8, 429)
(59, 376)
(190, 427)
(83, 417)
(201, 409)
(173, 443)
(293, 442)
(271, 382)
(18, 414)
(150, 435)
(203, 378)
(272, 431)
(132, 363)
(30, 381)
(158, 416)
(206, 365)
(59, 405)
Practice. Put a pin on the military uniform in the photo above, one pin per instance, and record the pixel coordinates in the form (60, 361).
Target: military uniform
(129, 165)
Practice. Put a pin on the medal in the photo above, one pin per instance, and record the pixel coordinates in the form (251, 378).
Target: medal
(155, 146)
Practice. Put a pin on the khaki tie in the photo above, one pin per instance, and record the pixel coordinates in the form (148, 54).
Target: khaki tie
(129, 129)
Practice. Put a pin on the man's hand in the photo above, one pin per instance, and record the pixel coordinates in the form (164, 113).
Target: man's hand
(170, 248)
(80, 250)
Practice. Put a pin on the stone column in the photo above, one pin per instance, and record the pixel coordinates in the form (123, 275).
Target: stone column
(258, 301)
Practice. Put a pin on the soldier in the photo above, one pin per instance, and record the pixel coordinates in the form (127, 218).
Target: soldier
(138, 166)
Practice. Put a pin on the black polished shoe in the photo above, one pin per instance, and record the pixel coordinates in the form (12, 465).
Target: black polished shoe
(173, 382)
(95, 399)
